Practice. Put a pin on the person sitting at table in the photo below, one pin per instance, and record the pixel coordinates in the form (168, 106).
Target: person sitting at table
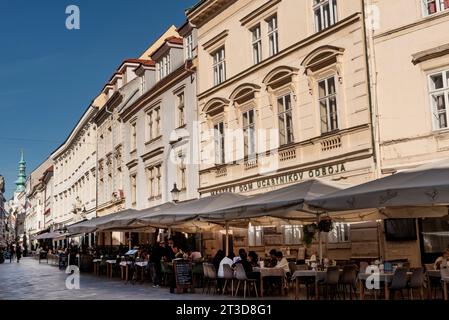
(282, 263)
(229, 260)
(253, 259)
(194, 255)
(442, 261)
(178, 252)
(273, 260)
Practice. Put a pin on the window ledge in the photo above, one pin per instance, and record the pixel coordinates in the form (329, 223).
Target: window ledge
(153, 140)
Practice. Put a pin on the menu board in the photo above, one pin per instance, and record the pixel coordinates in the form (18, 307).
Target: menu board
(183, 275)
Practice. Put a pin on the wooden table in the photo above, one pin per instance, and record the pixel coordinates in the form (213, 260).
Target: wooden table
(270, 272)
(96, 263)
(383, 277)
(110, 264)
(124, 270)
(317, 275)
(142, 265)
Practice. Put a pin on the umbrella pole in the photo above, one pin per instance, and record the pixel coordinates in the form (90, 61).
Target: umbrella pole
(227, 238)
(320, 243)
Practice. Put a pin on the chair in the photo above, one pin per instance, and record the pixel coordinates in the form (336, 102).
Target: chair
(399, 282)
(331, 282)
(210, 276)
(348, 280)
(240, 274)
(433, 283)
(228, 274)
(166, 271)
(416, 282)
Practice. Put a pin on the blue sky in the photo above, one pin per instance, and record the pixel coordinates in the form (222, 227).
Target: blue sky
(49, 75)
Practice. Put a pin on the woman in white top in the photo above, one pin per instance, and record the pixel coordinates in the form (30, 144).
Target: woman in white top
(282, 263)
(226, 260)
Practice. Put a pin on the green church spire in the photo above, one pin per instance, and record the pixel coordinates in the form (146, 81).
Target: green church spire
(21, 181)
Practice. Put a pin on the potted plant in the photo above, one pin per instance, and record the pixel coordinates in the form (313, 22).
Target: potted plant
(326, 224)
(309, 233)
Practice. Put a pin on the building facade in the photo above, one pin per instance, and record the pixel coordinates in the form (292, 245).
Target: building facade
(291, 103)
(74, 181)
(410, 81)
(36, 205)
(159, 128)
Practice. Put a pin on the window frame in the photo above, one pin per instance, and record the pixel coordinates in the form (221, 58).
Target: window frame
(189, 47)
(440, 6)
(219, 143)
(219, 65)
(273, 35)
(289, 136)
(323, 22)
(256, 43)
(180, 108)
(342, 232)
(327, 98)
(133, 136)
(249, 130)
(434, 92)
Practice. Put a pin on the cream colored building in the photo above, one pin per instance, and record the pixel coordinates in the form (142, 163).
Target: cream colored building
(75, 172)
(283, 96)
(410, 85)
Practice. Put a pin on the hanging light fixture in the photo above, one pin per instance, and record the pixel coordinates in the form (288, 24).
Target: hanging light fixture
(175, 193)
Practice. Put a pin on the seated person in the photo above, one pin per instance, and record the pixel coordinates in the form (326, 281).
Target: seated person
(194, 255)
(253, 259)
(247, 265)
(226, 260)
(273, 260)
(282, 263)
(442, 261)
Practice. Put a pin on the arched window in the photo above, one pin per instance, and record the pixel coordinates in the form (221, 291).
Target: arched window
(324, 75)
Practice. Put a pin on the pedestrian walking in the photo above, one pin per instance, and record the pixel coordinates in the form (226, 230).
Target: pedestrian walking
(18, 253)
(11, 252)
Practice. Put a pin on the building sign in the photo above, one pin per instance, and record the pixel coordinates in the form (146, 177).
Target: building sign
(287, 178)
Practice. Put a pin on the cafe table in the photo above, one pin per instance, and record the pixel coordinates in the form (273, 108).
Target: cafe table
(301, 274)
(110, 264)
(385, 277)
(270, 272)
(96, 263)
(124, 270)
(141, 265)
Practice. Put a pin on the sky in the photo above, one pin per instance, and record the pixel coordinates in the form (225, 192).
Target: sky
(49, 74)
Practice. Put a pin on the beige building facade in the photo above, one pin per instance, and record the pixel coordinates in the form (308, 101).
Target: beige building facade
(283, 95)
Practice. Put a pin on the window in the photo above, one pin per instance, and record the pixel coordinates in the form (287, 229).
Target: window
(133, 189)
(255, 236)
(180, 108)
(434, 6)
(439, 98)
(157, 120)
(257, 44)
(249, 133)
(149, 132)
(133, 136)
(285, 119)
(189, 46)
(219, 66)
(182, 172)
(273, 37)
(292, 234)
(325, 12)
(154, 181)
(163, 67)
(219, 138)
(328, 105)
(340, 233)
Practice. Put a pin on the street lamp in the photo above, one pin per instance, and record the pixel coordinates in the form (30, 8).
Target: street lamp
(175, 193)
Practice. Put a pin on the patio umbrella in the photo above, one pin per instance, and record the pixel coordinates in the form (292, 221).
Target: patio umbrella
(419, 192)
(91, 225)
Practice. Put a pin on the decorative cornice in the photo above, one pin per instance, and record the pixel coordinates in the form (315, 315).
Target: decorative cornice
(259, 11)
(216, 39)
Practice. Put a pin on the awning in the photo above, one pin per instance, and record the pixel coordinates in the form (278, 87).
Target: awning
(285, 203)
(91, 225)
(419, 192)
(48, 235)
(126, 221)
(187, 211)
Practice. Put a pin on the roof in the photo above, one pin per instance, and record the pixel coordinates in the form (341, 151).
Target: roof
(174, 40)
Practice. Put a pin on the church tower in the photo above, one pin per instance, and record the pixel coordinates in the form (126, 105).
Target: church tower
(21, 181)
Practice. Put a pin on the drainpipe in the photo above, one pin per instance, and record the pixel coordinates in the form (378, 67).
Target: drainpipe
(371, 73)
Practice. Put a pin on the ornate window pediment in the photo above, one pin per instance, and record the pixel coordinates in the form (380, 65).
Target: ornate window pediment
(279, 76)
(215, 106)
(244, 92)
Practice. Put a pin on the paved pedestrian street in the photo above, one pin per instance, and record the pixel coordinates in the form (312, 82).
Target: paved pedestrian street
(30, 280)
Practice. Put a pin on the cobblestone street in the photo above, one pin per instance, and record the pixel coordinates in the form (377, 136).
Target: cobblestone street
(31, 280)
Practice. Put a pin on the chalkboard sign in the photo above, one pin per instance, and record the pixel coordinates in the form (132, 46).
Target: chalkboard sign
(183, 275)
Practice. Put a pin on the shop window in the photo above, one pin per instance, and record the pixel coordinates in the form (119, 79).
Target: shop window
(255, 236)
